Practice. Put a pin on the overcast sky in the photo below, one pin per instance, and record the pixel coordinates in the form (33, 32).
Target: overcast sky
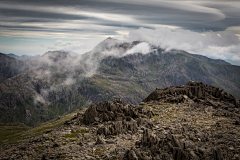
(36, 26)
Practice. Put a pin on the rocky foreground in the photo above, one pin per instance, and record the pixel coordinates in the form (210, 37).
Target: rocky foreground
(194, 121)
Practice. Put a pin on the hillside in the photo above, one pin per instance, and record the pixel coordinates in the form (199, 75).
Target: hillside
(192, 121)
(22, 57)
(10, 67)
(57, 83)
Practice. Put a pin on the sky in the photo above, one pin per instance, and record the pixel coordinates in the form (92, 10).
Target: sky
(210, 28)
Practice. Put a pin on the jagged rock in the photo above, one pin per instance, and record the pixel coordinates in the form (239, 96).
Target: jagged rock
(118, 127)
(193, 155)
(195, 91)
(96, 119)
(99, 140)
(201, 125)
(123, 117)
(217, 154)
(237, 122)
(130, 155)
(90, 114)
(177, 99)
(179, 154)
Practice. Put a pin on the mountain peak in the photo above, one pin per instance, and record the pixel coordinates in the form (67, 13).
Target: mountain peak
(56, 55)
(106, 44)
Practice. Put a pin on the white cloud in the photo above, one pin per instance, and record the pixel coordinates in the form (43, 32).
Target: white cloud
(68, 45)
(235, 58)
(51, 48)
(69, 81)
(76, 46)
(207, 43)
(143, 48)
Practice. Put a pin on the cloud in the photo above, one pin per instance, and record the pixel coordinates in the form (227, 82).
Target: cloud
(235, 58)
(68, 45)
(74, 47)
(39, 98)
(207, 43)
(143, 48)
(65, 19)
(26, 39)
(51, 48)
(69, 81)
(94, 20)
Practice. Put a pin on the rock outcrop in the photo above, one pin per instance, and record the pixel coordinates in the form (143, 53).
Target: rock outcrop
(191, 122)
(116, 116)
(198, 92)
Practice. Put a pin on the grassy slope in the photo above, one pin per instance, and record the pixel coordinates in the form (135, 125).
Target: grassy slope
(11, 133)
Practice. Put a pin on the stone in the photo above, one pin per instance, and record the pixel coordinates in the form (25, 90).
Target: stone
(190, 127)
(90, 114)
(193, 155)
(185, 96)
(96, 119)
(130, 155)
(217, 154)
(99, 140)
(179, 154)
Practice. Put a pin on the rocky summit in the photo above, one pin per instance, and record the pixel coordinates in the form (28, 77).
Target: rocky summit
(192, 121)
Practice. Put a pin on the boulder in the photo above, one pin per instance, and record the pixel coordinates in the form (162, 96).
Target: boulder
(99, 140)
(90, 114)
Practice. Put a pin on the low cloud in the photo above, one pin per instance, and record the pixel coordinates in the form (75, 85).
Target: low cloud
(51, 48)
(68, 45)
(69, 81)
(235, 58)
(143, 48)
(73, 47)
(211, 44)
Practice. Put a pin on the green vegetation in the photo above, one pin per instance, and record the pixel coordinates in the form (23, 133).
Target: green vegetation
(9, 130)
(99, 151)
(12, 133)
(74, 134)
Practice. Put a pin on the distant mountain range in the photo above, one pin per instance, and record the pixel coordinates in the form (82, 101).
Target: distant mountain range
(23, 57)
(57, 83)
(26, 57)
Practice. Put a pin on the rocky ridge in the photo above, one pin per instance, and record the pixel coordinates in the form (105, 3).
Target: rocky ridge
(198, 92)
(193, 121)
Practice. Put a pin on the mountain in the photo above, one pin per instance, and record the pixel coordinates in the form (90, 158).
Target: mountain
(42, 92)
(204, 58)
(188, 122)
(10, 67)
(22, 57)
(70, 52)
(57, 83)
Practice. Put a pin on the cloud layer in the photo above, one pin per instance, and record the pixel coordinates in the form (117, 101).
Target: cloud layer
(78, 25)
(210, 44)
(98, 18)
